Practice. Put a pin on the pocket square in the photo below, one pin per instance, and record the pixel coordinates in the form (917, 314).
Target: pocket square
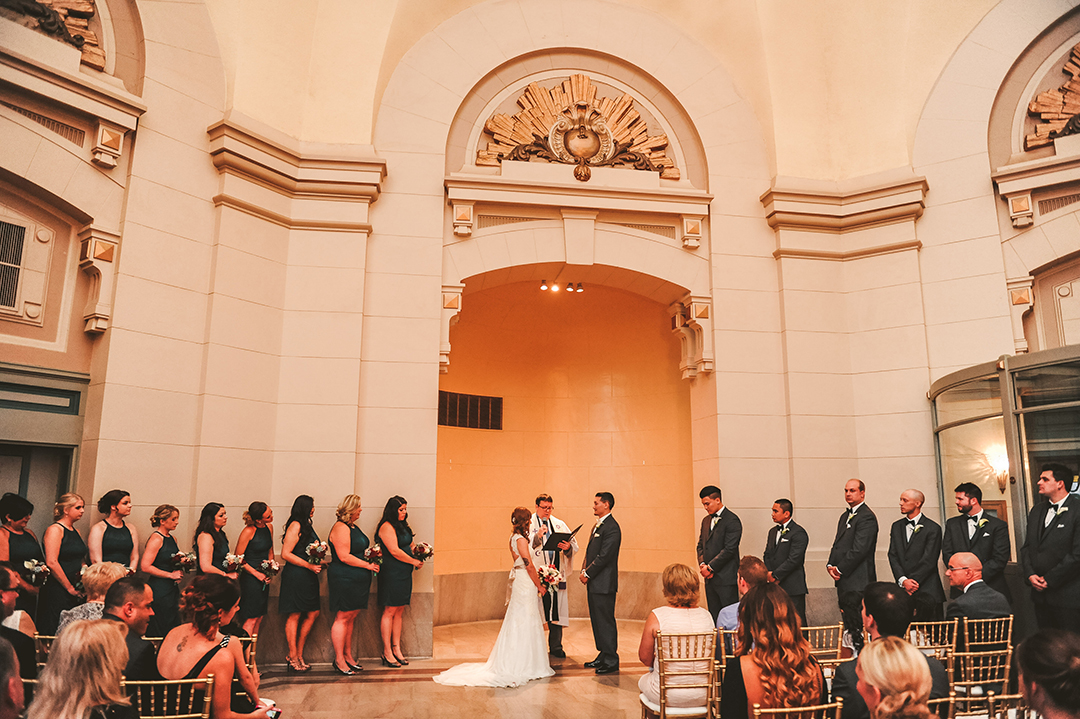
(986, 534)
(784, 540)
(596, 534)
(1060, 526)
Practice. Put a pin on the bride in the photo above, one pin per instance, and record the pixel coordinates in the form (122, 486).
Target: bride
(520, 653)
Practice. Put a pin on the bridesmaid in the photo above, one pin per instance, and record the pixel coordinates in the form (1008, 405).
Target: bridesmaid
(19, 545)
(164, 580)
(210, 543)
(111, 539)
(349, 581)
(65, 553)
(395, 580)
(299, 594)
(256, 543)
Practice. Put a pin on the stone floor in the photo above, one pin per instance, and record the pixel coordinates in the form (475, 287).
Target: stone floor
(409, 692)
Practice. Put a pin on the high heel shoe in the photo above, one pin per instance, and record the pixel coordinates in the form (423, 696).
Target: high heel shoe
(344, 672)
(397, 655)
(387, 663)
(292, 667)
(354, 666)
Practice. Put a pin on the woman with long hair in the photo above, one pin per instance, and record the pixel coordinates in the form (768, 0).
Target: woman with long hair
(82, 677)
(19, 545)
(65, 555)
(111, 539)
(256, 543)
(210, 543)
(772, 665)
(395, 578)
(894, 679)
(158, 561)
(520, 653)
(348, 579)
(298, 598)
(96, 582)
(197, 648)
(1049, 662)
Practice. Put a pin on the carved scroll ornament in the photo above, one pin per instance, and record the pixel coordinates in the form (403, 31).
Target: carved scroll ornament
(1058, 111)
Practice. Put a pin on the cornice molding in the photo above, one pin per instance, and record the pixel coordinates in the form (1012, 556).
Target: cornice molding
(841, 256)
(277, 218)
(847, 206)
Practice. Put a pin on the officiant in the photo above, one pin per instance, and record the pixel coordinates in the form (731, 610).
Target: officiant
(555, 602)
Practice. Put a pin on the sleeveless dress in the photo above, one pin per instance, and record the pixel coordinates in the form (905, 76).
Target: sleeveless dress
(54, 598)
(166, 591)
(520, 654)
(681, 620)
(221, 549)
(395, 576)
(254, 595)
(299, 590)
(22, 548)
(116, 544)
(349, 586)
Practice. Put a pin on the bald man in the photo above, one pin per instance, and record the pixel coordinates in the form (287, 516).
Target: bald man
(977, 599)
(914, 548)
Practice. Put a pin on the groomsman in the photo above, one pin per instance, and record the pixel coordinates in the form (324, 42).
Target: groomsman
(785, 553)
(1050, 556)
(600, 575)
(851, 561)
(914, 546)
(554, 602)
(977, 532)
(718, 551)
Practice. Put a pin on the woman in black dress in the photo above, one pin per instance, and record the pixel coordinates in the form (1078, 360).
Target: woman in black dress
(111, 539)
(299, 593)
(18, 545)
(256, 543)
(210, 543)
(395, 578)
(65, 554)
(349, 581)
(165, 573)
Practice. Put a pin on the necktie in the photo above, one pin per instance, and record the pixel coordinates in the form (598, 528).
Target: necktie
(973, 524)
(715, 519)
(911, 528)
(1050, 514)
(779, 532)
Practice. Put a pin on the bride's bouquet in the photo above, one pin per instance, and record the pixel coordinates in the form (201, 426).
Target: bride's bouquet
(373, 554)
(38, 571)
(270, 568)
(423, 551)
(316, 552)
(232, 563)
(550, 577)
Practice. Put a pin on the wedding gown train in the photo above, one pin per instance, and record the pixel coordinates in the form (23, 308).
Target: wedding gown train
(520, 653)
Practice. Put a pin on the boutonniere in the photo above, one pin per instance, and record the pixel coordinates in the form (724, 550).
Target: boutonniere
(850, 516)
(916, 529)
(784, 531)
(982, 523)
(1062, 511)
(598, 523)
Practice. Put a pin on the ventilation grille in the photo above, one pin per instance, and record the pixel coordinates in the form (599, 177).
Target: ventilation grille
(470, 410)
(484, 221)
(1056, 203)
(72, 134)
(11, 252)
(662, 230)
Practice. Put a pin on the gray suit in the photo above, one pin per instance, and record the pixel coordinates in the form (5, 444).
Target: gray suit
(980, 601)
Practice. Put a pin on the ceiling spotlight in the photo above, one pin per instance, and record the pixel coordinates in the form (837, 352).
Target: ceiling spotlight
(580, 288)
(543, 284)
(554, 286)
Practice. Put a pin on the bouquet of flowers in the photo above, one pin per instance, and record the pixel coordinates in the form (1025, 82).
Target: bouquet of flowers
(270, 568)
(38, 570)
(373, 554)
(185, 561)
(316, 552)
(550, 577)
(423, 551)
(79, 585)
(232, 563)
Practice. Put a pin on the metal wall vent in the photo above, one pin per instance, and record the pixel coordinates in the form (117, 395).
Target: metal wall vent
(470, 410)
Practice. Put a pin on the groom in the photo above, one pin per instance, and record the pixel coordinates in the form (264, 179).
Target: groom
(554, 603)
(600, 575)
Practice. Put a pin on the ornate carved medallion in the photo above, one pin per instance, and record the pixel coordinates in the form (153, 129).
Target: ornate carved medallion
(1058, 110)
(568, 124)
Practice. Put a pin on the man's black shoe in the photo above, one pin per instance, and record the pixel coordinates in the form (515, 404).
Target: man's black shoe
(593, 664)
(607, 668)
(558, 653)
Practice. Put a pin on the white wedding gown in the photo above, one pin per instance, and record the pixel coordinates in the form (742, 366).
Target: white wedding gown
(520, 653)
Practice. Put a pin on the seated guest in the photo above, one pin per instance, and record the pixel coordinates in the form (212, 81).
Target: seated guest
(773, 666)
(887, 611)
(894, 681)
(128, 602)
(682, 615)
(82, 678)
(20, 619)
(978, 600)
(198, 648)
(11, 687)
(96, 580)
(752, 572)
(1049, 664)
(23, 645)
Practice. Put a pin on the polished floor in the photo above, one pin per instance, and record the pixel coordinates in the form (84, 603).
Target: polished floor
(409, 692)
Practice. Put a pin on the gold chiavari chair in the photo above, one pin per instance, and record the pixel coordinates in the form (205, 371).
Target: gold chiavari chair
(42, 645)
(936, 639)
(982, 635)
(173, 698)
(1009, 706)
(683, 662)
(978, 674)
(825, 641)
(821, 711)
(944, 708)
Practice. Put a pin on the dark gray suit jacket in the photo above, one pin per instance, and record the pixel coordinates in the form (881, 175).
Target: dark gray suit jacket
(917, 558)
(719, 547)
(853, 550)
(980, 601)
(1054, 554)
(843, 686)
(785, 559)
(991, 544)
(602, 558)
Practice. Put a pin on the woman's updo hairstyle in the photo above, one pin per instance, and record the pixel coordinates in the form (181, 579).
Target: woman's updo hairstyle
(205, 598)
(66, 502)
(254, 513)
(162, 513)
(1050, 659)
(110, 499)
(521, 518)
(900, 673)
(348, 507)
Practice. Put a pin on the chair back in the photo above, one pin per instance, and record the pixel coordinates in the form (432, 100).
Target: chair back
(820, 711)
(981, 635)
(248, 644)
(978, 675)
(726, 642)
(825, 641)
(684, 662)
(174, 698)
(944, 708)
(1009, 706)
(42, 645)
(936, 639)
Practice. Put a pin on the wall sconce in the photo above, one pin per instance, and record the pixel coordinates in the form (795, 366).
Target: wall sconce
(999, 464)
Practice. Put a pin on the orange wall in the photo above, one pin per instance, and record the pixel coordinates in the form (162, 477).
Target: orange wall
(593, 402)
